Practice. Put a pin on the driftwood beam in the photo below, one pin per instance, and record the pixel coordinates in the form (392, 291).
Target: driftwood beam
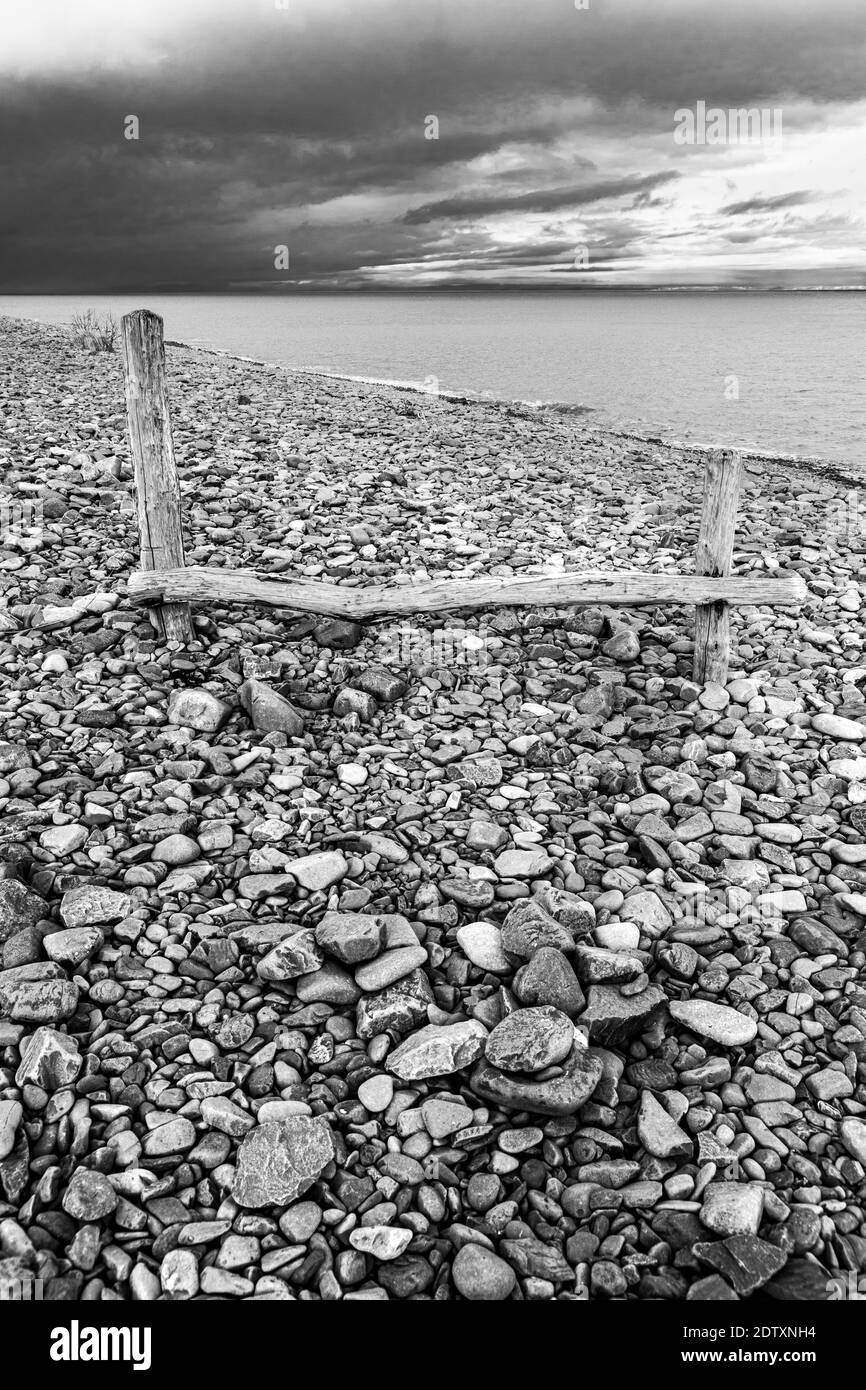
(201, 585)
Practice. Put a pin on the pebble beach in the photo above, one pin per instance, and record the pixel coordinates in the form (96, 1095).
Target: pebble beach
(483, 957)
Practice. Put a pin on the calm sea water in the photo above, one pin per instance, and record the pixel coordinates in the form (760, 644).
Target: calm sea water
(781, 374)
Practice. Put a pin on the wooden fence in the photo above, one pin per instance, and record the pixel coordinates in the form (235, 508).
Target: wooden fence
(169, 587)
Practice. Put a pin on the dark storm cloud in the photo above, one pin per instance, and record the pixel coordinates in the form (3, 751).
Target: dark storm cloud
(538, 200)
(781, 200)
(308, 128)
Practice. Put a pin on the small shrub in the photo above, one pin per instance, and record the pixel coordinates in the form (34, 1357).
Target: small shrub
(92, 333)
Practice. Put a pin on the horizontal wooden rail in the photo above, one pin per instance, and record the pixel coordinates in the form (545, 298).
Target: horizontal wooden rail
(201, 584)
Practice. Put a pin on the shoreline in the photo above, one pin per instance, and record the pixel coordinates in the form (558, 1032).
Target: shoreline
(832, 469)
(815, 462)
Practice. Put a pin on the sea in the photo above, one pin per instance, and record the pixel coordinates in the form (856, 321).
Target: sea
(778, 373)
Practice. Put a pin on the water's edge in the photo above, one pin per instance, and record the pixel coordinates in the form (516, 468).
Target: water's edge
(809, 463)
(816, 465)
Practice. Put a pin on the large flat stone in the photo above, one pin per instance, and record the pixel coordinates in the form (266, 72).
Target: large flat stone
(20, 907)
(529, 1040)
(49, 1059)
(613, 1018)
(718, 1022)
(747, 1262)
(562, 1095)
(279, 1160)
(732, 1208)
(397, 1009)
(352, 937)
(38, 993)
(93, 905)
(529, 926)
(438, 1050)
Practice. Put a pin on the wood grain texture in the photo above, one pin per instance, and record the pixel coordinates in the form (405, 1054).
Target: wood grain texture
(713, 557)
(156, 484)
(202, 585)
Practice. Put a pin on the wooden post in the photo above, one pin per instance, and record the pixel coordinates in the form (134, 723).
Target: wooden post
(156, 486)
(713, 557)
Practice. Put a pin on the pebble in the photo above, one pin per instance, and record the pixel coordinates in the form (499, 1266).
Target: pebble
(317, 872)
(844, 730)
(197, 709)
(853, 1135)
(49, 1059)
(381, 1242)
(389, 967)
(718, 1022)
(732, 1208)
(376, 1093)
(443, 1116)
(278, 1161)
(92, 905)
(11, 1115)
(438, 1050)
(522, 863)
(481, 1276)
(481, 942)
(560, 1095)
(351, 937)
(89, 1196)
(530, 1040)
(74, 946)
(269, 712)
(659, 1133)
(549, 978)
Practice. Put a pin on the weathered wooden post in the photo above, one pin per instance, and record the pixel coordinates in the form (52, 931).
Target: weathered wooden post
(156, 486)
(713, 557)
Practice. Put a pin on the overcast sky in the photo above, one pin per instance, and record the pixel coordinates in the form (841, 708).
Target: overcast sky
(556, 161)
